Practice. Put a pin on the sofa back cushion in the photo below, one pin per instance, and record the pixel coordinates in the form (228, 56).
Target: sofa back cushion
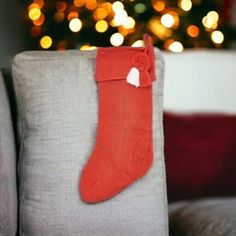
(200, 151)
(57, 102)
(200, 81)
(8, 192)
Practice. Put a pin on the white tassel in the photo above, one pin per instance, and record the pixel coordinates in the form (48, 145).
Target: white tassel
(133, 77)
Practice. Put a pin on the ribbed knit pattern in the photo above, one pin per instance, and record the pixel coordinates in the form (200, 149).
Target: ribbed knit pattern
(123, 152)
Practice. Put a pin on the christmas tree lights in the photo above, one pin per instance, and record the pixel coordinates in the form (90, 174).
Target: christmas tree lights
(86, 24)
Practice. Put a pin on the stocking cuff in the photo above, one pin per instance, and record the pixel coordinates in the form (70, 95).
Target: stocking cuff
(135, 64)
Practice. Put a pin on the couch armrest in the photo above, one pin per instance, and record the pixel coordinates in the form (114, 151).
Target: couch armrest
(8, 191)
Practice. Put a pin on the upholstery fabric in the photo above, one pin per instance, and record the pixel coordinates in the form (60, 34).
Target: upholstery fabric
(200, 81)
(8, 193)
(200, 151)
(57, 101)
(208, 217)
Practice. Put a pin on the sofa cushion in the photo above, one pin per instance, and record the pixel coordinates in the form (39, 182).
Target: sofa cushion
(8, 192)
(209, 217)
(200, 81)
(57, 101)
(200, 151)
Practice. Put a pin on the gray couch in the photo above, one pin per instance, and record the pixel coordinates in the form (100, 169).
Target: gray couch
(47, 202)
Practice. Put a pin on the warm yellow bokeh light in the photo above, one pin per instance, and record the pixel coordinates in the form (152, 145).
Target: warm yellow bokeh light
(40, 20)
(117, 6)
(167, 20)
(100, 13)
(167, 43)
(120, 17)
(158, 5)
(75, 25)
(34, 13)
(157, 28)
(176, 47)
(91, 4)
(72, 15)
(87, 47)
(101, 26)
(117, 39)
(84, 47)
(79, 3)
(129, 23)
(217, 37)
(33, 5)
(138, 43)
(210, 20)
(39, 2)
(193, 31)
(186, 5)
(46, 42)
(213, 15)
(107, 6)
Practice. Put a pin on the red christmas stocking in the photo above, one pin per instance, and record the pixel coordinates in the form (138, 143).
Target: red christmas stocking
(123, 152)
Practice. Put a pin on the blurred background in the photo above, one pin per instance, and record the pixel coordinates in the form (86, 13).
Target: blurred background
(86, 24)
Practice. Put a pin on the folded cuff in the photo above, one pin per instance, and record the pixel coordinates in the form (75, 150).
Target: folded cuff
(115, 63)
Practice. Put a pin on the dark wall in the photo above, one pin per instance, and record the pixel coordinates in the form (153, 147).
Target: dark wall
(10, 31)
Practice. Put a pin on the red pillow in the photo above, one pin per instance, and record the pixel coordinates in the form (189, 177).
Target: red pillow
(200, 153)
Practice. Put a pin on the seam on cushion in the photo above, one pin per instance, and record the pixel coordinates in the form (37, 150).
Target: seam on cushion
(51, 56)
(19, 166)
(16, 60)
(160, 80)
(163, 171)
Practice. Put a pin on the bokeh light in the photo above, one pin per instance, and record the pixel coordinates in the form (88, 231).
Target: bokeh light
(210, 21)
(100, 13)
(138, 43)
(34, 11)
(140, 8)
(91, 4)
(167, 20)
(117, 39)
(186, 5)
(40, 3)
(158, 5)
(193, 31)
(87, 47)
(75, 25)
(101, 26)
(79, 3)
(46, 42)
(176, 47)
(158, 29)
(117, 6)
(129, 23)
(59, 16)
(217, 37)
(40, 20)
(186, 23)
(61, 6)
(61, 45)
(72, 15)
(120, 17)
(35, 31)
